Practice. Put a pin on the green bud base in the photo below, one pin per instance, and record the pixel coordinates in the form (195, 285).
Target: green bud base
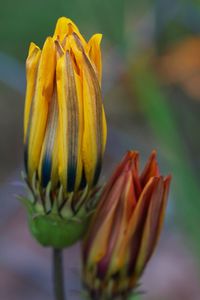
(50, 230)
(53, 230)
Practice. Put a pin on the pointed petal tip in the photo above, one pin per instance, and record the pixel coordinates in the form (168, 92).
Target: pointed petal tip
(153, 157)
(132, 154)
(32, 48)
(167, 181)
(49, 39)
(132, 158)
(64, 21)
(63, 27)
(61, 23)
(48, 43)
(97, 37)
(154, 153)
(168, 178)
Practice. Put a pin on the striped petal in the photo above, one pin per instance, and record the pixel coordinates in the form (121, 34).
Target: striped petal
(124, 211)
(131, 155)
(94, 136)
(150, 228)
(151, 169)
(39, 106)
(71, 123)
(48, 169)
(167, 181)
(100, 235)
(95, 131)
(32, 63)
(94, 52)
(134, 228)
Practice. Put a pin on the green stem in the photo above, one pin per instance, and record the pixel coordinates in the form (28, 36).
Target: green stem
(58, 275)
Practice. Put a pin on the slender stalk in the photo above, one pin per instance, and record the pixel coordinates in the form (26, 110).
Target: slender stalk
(58, 275)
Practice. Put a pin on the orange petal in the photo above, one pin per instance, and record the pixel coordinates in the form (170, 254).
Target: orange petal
(167, 181)
(99, 233)
(124, 210)
(151, 169)
(129, 155)
(131, 240)
(149, 233)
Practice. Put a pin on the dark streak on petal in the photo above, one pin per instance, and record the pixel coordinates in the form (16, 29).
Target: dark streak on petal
(73, 124)
(26, 157)
(94, 83)
(26, 144)
(83, 180)
(46, 170)
(49, 140)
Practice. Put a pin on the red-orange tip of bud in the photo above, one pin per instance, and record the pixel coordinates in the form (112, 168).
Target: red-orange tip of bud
(126, 225)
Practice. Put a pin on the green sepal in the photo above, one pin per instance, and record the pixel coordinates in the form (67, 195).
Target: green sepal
(53, 230)
(50, 230)
(57, 219)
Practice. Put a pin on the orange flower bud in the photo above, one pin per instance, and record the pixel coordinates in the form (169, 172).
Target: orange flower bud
(125, 228)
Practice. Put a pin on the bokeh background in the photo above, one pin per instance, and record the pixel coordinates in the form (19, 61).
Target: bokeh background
(151, 89)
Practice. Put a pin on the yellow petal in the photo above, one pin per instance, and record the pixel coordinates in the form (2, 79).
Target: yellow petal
(65, 27)
(48, 169)
(94, 52)
(62, 28)
(94, 127)
(32, 63)
(104, 128)
(79, 89)
(39, 107)
(71, 123)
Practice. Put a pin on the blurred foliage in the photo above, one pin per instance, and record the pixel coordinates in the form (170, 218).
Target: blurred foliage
(158, 111)
(25, 21)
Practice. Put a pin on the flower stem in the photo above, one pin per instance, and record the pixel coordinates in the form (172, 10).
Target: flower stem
(58, 275)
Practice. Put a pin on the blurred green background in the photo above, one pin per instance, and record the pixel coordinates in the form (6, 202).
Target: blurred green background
(151, 89)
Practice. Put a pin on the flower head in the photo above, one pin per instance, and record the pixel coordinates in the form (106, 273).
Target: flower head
(64, 120)
(125, 228)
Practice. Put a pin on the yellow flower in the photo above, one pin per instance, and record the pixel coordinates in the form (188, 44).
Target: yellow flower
(64, 120)
(125, 228)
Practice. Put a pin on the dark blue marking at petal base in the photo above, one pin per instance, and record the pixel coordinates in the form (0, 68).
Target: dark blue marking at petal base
(71, 178)
(26, 158)
(83, 181)
(97, 172)
(46, 171)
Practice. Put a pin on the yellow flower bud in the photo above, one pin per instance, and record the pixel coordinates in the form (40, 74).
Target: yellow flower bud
(64, 119)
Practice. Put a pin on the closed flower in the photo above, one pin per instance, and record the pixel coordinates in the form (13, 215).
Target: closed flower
(125, 228)
(64, 120)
